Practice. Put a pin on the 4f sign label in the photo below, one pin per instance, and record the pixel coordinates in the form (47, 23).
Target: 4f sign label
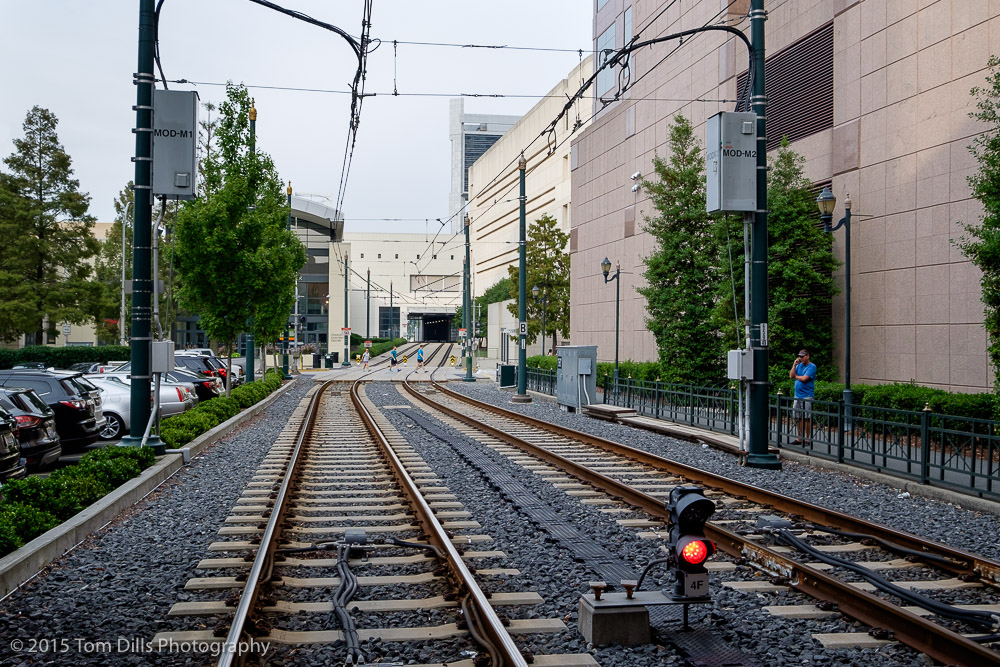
(696, 585)
(522, 328)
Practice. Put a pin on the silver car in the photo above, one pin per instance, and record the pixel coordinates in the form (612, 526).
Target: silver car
(175, 398)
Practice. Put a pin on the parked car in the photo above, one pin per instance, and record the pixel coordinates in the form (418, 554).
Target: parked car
(36, 423)
(117, 400)
(33, 365)
(12, 465)
(197, 365)
(76, 402)
(176, 398)
(205, 387)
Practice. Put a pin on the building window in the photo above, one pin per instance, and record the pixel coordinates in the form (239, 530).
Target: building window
(380, 255)
(601, 3)
(628, 25)
(605, 49)
(397, 255)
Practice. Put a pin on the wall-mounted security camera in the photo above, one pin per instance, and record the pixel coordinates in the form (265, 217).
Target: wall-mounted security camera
(635, 188)
(636, 176)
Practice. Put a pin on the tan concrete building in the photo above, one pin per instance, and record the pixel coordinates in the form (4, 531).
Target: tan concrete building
(875, 95)
(493, 180)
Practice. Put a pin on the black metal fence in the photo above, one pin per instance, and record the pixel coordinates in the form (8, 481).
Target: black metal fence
(541, 380)
(960, 453)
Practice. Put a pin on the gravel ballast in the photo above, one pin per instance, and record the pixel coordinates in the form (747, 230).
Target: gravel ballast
(102, 602)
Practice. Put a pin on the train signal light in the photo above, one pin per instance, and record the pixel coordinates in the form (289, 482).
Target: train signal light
(689, 548)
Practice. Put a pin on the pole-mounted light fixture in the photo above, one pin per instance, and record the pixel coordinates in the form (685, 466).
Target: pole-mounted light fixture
(606, 266)
(534, 291)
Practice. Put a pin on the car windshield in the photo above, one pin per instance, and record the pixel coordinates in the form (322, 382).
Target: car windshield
(73, 388)
(85, 383)
(5, 402)
(31, 400)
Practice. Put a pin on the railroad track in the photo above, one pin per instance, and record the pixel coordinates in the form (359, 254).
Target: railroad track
(767, 531)
(343, 507)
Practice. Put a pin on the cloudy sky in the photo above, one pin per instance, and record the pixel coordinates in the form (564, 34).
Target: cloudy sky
(76, 58)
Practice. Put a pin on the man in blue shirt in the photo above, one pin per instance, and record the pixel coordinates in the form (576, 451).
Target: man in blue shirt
(420, 357)
(804, 373)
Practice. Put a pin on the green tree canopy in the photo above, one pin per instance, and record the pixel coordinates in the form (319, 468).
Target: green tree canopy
(683, 272)
(233, 255)
(547, 267)
(47, 236)
(981, 242)
(799, 271)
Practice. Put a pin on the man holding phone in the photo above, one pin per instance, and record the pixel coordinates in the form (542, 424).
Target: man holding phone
(804, 373)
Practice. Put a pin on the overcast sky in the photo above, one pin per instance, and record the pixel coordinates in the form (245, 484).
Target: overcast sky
(76, 59)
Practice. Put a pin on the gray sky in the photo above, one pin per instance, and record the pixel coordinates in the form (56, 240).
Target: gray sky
(76, 58)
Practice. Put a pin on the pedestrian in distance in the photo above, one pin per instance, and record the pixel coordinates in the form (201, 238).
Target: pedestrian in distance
(365, 357)
(420, 357)
(804, 373)
(392, 360)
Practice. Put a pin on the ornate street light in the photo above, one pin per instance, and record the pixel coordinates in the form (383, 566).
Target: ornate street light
(827, 202)
(606, 269)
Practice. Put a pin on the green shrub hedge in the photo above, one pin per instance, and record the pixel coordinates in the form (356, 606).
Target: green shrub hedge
(181, 429)
(64, 357)
(898, 396)
(31, 506)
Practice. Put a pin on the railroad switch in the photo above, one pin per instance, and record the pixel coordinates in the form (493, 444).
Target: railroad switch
(773, 522)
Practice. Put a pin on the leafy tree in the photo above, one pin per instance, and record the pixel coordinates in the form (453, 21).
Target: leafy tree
(47, 236)
(547, 267)
(233, 256)
(683, 272)
(799, 271)
(981, 244)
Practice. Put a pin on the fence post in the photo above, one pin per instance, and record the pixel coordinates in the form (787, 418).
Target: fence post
(606, 388)
(691, 419)
(925, 443)
(840, 431)
(779, 420)
(656, 396)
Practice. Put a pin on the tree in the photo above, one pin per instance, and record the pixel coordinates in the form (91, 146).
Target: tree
(47, 234)
(981, 242)
(799, 271)
(683, 272)
(547, 267)
(233, 255)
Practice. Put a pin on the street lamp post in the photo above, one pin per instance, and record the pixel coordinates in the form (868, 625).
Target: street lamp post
(392, 316)
(522, 291)
(284, 338)
(347, 333)
(121, 317)
(467, 309)
(606, 268)
(251, 363)
(826, 203)
(368, 306)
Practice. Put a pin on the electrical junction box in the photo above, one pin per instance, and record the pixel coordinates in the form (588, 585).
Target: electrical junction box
(161, 358)
(175, 141)
(576, 381)
(740, 365)
(731, 162)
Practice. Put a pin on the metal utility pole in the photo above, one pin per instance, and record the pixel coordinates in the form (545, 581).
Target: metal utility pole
(522, 296)
(467, 308)
(121, 316)
(251, 362)
(142, 285)
(284, 336)
(347, 334)
(368, 307)
(758, 456)
(392, 314)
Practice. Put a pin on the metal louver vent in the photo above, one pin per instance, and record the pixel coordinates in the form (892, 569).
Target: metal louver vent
(798, 81)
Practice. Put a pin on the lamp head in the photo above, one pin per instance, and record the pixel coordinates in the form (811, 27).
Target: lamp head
(606, 266)
(826, 202)
(534, 291)
(466, 219)
(636, 176)
(522, 164)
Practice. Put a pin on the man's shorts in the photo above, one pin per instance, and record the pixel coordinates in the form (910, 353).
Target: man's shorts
(802, 408)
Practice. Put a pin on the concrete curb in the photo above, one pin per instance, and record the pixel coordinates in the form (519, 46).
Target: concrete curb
(201, 443)
(18, 567)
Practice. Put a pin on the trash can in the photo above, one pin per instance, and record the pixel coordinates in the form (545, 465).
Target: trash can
(508, 375)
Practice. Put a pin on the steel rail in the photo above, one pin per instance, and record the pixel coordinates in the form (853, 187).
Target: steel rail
(436, 535)
(264, 560)
(915, 631)
(963, 562)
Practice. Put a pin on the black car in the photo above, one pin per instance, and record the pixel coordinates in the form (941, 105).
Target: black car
(36, 422)
(12, 466)
(79, 417)
(197, 366)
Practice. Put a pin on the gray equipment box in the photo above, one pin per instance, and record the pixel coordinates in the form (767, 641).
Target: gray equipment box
(576, 376)
(161, 359)
(175, 137)
(731, 162)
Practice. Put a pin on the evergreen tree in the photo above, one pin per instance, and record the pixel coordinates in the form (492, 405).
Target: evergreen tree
(683, 272)
(981, 244)
(233, 255)
(799, 271)
(47, 236)
(547, 267)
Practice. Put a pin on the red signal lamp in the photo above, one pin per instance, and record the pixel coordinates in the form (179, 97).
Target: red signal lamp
(694, 551)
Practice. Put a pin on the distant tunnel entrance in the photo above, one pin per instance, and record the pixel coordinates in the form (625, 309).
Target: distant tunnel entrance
(437, 327)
